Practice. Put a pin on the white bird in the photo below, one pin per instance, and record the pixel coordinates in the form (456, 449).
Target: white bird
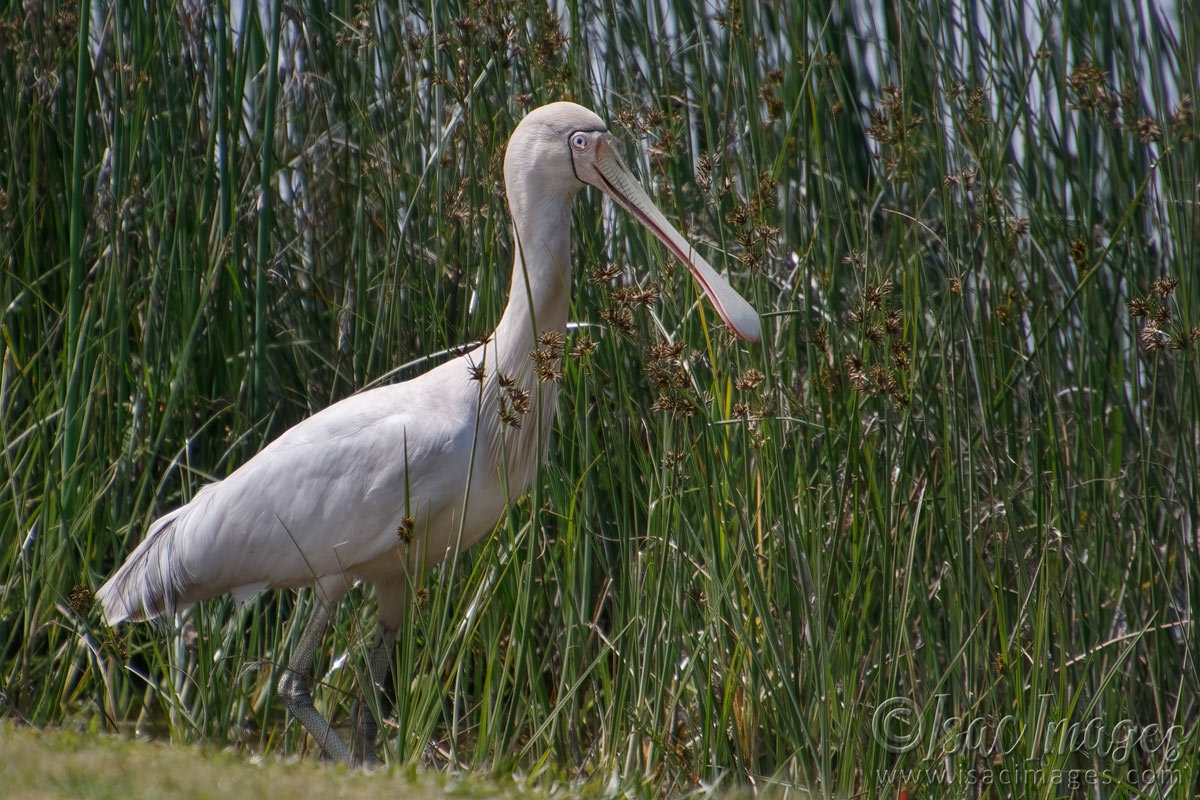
(431, 458)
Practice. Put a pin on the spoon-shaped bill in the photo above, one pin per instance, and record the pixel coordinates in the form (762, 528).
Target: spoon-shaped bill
(615, 180)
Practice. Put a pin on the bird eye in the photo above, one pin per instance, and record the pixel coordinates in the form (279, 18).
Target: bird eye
(579, 142)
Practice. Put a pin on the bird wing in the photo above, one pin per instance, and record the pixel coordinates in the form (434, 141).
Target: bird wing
(326, 496)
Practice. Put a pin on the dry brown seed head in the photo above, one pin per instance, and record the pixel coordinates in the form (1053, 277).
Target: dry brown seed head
(584, 346)
(653, 116)
(548, 369)
(767, 234)
(510, 417)
(1138, 307)
(115, 642)
(604, 274)
(675, 406)
(619, 316)
(752, 258)
(1086, 75)
(820, 339)
(627, 118)
(518, 398)
(1164, 286)
(749, 380)
(873, 296)
(405, 529)
(879, 129)
(80, 599)
(663, 350)
(1181, 119)
(1160, 314)
(894, 322)
(856, 375)
(625, 295)
(665, 375)
(1148, 130)
(1151, 338)
(977, 106)
(767, 191)
(882, 379)
(649, 295)
(1018, 227)
(1078, 252)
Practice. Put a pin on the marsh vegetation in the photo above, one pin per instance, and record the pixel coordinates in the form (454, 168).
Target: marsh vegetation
(959, 470)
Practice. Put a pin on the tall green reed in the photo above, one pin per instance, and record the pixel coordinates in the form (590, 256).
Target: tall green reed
(960, 469)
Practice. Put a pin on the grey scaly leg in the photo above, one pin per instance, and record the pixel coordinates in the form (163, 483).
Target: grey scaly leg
(392, 596)
(293, 685)
(379, 657)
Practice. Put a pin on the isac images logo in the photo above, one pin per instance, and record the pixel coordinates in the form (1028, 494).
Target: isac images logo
(1122, 751)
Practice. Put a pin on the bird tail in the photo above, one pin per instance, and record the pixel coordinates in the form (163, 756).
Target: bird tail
(150, 582)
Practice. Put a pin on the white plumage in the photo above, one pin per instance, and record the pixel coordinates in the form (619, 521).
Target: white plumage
(434, 458)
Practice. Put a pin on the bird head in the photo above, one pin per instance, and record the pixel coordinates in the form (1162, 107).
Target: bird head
(566, 146)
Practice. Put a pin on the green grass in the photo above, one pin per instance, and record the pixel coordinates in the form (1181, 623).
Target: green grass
(960, 470)
(58, 764)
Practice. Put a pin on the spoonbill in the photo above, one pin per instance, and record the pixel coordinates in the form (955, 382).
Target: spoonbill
(399, 476)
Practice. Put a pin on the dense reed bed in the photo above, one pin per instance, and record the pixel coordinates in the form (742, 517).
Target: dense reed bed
(949, 502)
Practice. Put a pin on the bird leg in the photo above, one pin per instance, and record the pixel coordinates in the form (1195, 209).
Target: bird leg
(392, 596)
(362, 742)
(294, 685)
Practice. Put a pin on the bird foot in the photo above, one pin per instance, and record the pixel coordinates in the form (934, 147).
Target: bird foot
(293, 689)
(363, 735)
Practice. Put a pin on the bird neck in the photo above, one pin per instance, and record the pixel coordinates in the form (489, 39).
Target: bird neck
(523, 355)
(540, 291)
